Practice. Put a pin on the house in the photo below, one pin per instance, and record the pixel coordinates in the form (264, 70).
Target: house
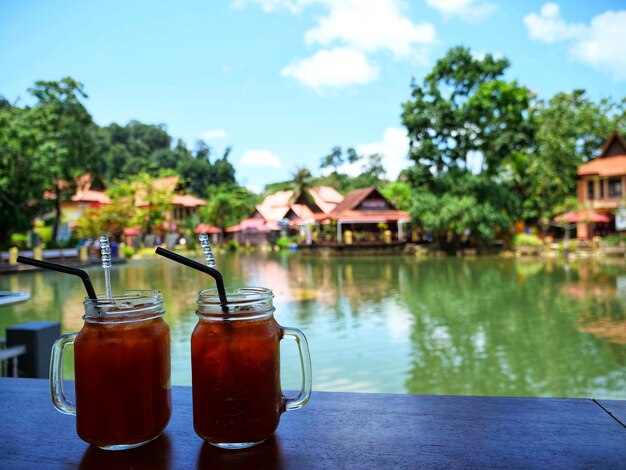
(89, 194)
(182, 205)
(364, 211)
(282, 212)
(600, 185)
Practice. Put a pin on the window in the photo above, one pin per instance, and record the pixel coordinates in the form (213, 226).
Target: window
(590, 188)
(601, 182)
(615, 187)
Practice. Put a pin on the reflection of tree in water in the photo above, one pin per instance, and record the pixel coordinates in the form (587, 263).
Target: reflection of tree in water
(500, 329)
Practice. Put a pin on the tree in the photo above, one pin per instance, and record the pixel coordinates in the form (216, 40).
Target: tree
(463, 204)
(150, 204)
(333, 160)
(301, 182)
(463, 108)
(571, 129)
(23, 176)
(399, 193)
(227, 205)
(66, 143)
(198, 173)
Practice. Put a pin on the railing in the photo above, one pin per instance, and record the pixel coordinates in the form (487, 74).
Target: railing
(46, 254)
(9, 358)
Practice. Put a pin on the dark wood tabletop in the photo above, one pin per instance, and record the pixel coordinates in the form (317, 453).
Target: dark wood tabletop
(340, 430)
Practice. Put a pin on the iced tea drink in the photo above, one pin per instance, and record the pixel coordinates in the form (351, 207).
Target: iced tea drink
(235, 359)
(122, 371)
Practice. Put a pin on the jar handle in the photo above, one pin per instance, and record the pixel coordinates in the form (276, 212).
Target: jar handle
(59, 400)
(297, 402)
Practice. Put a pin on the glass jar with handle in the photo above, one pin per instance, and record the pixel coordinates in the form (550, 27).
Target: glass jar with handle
(235, 359)
(122, 371)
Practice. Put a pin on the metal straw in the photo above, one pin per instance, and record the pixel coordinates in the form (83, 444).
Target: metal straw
(206, 250)
(105, 250)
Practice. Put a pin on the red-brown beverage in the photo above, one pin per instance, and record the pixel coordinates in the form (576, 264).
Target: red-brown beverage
(122, 382)
(122, 371)
(235, 359)
(236, 380)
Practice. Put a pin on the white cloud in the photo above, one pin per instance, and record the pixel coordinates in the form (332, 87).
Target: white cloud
(469, 10)
(334, 68)
(213, 134)
(260, 158)
(355, 30)
(292, 6)
(370, 26)
(600, 44)
(394, 149)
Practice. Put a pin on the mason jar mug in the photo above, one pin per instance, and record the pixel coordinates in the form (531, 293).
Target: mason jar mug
(122, 371)
(235, 359)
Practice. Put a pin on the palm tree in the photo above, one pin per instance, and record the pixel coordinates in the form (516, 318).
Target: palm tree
(301, 183)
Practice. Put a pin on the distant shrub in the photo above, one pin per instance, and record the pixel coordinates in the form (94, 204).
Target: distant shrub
(573, 245)
(525, 239)
(614, 240)
(233, 245)
(128, 252)
(283, 243)
(20, 240)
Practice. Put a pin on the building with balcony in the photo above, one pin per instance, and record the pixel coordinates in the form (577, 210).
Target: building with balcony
(600, 186)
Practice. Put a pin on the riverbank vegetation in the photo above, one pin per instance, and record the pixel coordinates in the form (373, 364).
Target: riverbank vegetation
(486, 153)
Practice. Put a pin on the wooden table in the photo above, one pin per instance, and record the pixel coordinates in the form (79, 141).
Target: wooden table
(340, 430)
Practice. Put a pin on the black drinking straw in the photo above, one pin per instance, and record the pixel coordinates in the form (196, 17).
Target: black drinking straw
(91, 293)
(214, 273)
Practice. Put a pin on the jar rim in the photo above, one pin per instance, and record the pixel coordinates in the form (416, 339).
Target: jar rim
(124, 306)
(236, 295)
(121, 295)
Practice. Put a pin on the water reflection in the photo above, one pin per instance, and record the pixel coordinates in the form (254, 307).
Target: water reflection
(483, 326)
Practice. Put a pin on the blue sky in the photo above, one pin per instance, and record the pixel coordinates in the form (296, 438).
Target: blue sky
(283, 81)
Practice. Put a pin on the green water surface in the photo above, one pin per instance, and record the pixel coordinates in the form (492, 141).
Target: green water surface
(485, 326)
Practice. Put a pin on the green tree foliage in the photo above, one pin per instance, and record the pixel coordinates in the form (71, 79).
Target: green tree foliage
(463, 110)
(66, 144)
(227, 205)
(23, 177)
(463, 204)
(399, 193)
(570, 129)
(198, 173)
(463, 107)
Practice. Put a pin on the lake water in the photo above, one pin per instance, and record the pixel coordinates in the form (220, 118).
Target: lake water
(485, 326)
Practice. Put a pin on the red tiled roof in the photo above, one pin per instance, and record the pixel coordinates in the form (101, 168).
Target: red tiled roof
(605, 166)
(90, 195)
(275, 206)
(206, 228)
(187, 200)
(253, 224)
(586, 216)
(168, 183)
(353, 199)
